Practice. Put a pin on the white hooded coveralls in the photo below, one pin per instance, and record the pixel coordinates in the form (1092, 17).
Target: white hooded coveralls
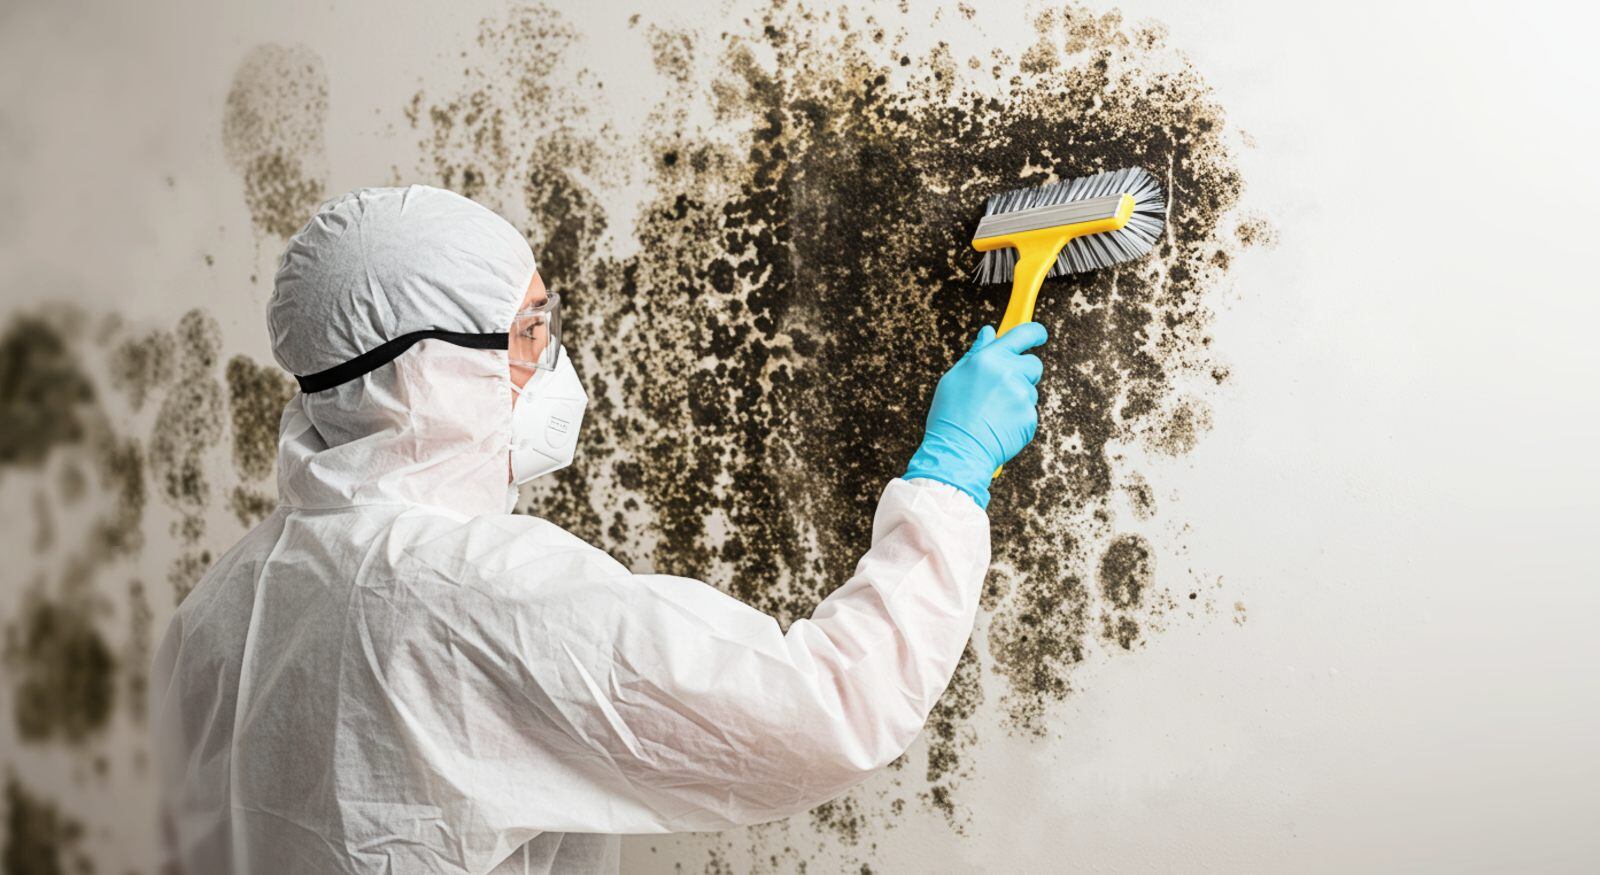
(393, 674)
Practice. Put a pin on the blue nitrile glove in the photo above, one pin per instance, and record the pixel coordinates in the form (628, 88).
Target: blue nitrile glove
(984, 411)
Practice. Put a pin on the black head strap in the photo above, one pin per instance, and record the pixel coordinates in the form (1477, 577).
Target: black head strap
(371, 360)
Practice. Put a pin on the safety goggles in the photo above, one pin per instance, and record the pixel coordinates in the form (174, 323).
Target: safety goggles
(535, 336)
(534, 341)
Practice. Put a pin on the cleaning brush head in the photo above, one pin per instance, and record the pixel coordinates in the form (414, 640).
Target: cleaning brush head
(1128, 203)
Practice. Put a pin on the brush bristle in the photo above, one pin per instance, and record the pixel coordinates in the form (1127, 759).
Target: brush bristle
(1095, 251)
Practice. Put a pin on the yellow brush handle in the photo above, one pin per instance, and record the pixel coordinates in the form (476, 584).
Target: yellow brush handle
(1036, 254)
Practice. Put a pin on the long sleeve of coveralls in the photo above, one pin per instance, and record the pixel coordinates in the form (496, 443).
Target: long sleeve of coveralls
(393, 674)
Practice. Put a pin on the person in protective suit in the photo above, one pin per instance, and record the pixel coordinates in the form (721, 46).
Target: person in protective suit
(394, 673)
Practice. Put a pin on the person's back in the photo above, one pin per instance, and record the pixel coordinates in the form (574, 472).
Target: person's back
(394, 674)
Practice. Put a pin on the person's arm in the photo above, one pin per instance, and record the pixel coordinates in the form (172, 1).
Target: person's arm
(702, 714)
(667, 705)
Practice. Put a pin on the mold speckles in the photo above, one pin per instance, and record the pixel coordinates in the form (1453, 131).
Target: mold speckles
(186, 571)
(257, 395)
(40, 840)
(189, 423)
(841, 817)
(272, 131)
(480, 141)
(762, 366)
(44, 393)
(1180, 430)
(121, 465)
(139, 366)
(250, 506)
(1126, 572)
(518, 131)
(1039, 638)
(949, 732)
(1140, 496)
(62, 669)
(1256, 231)
(136, 659)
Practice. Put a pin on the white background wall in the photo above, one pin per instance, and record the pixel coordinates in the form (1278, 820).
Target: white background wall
(1401, 485)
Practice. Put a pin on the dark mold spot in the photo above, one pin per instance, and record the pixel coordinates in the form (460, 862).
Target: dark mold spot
(1126, 570)
(185, 572)
(40, 840)
(1140, 495)
(840, 817)
(250, 506)
(272, 128)
(140, 366)
(1181, 428)
(63, 670)
(949, 732)
(189, 424)
(121, 466)
(1123, 630)
(45, 396)
(257, 395)
(1256, 231)
(136, 660)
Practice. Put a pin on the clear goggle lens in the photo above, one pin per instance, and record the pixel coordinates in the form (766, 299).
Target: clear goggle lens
(536, 335)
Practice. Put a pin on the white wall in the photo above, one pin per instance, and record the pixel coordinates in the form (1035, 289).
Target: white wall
(1398, 492)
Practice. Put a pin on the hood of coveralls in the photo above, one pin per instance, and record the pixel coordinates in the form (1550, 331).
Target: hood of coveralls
(433, 426)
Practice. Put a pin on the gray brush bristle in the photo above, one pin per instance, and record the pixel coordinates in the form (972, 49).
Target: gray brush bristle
(1095, 251)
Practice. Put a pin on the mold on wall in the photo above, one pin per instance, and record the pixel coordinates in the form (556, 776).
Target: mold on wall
(40, 839)
(762, 365)
(759, 363)
(79, 637)
(272, 132)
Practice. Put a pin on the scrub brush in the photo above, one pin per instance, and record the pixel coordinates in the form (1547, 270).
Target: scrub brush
(1071, 226)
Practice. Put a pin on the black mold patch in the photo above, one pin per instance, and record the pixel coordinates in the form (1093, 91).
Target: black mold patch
(186, 571)
(1126, 571)
(841, 818)
(949, 732)
(140, 366)
(44, 393)
(257, 395)
(272, 128)
(189, 423)
(1126, 574)
(763, 366)
(136, 659)
(121, 465)
(40, 840)
(63, 671)
(250, 506)
(1140, 495)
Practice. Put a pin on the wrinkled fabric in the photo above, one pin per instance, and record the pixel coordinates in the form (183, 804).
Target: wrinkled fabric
(391, 674)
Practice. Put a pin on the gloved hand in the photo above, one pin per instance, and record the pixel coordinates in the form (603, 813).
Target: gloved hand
(984, 411)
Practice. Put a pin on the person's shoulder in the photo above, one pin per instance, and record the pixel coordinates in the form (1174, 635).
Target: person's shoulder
(495, 551)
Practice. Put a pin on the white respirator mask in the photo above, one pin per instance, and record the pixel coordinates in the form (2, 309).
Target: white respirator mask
(545, 420)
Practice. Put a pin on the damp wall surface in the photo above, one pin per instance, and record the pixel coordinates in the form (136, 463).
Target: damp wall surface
(1298, 575)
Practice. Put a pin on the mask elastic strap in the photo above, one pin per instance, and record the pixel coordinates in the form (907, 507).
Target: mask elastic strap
(373, 359)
